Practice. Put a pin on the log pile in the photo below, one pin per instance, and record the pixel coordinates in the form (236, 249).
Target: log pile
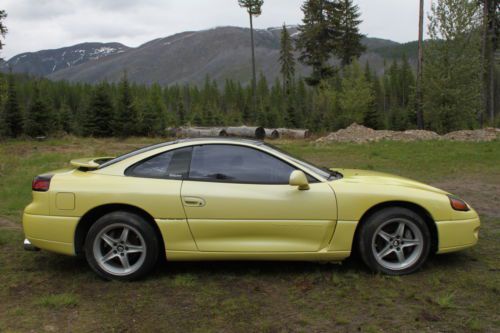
(259, 133)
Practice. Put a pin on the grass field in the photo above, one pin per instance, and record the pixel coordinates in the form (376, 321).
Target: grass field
(44, 292)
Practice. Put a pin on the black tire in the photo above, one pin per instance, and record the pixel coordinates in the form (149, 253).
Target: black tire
(138, 247)
(388, 248)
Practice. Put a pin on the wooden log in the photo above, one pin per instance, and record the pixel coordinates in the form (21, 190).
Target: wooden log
(294, 133)
(247, 132)
(198, 132)
(272, 133)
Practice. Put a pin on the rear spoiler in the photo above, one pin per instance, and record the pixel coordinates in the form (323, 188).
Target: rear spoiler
(90, 163)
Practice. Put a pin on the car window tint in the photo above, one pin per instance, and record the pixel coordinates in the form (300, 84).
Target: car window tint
(237, 164)
(171, 165)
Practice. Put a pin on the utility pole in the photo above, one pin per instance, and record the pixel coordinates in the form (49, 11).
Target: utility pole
(419, 102)
(489, 18)
(254, 8)
(254, 75)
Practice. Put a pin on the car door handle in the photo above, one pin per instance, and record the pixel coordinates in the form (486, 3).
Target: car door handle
(193, 202)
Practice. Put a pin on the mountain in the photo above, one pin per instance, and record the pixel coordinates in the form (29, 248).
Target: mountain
(188, 57)
(43, 63)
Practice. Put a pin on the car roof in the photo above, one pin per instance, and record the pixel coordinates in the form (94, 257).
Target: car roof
(192, 141)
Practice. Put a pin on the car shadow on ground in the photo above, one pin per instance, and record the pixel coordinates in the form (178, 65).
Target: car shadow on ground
(56, 264)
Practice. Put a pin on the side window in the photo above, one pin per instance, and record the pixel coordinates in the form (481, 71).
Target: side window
(172, 164)
(237, 164)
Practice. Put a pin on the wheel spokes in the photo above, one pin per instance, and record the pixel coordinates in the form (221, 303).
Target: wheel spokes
(384, 235)
(397, 243)
(409, 242)
(124, 235)
(108, 256)
(134, 248)
(124, 261)
(120, 249)
(401, 230)
(401, 256)
(110, 241)
(385, 252)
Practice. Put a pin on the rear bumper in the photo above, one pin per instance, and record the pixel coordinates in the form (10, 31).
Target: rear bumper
(51, 233)
(457, 235)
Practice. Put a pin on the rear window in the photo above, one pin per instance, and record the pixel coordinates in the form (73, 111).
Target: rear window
(173, 164)
(136, 152)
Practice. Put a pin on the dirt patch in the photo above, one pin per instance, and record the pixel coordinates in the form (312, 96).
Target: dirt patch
(361, 134)
(4, 223)
(484, 197)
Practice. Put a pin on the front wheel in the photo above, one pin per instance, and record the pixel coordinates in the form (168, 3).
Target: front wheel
(394, 241)
(121, 246)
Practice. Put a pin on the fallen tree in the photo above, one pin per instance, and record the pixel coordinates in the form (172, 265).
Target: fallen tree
(294, 133)
(259, 133)
(247, 132)
(272, 133)
(197, 132)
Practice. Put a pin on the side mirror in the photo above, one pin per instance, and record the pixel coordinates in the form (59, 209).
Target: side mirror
(298, 178)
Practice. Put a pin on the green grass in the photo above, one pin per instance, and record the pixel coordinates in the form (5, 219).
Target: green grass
(57, 301)
(453, 293)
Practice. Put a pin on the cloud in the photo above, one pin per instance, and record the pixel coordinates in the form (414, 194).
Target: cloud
(43, 24)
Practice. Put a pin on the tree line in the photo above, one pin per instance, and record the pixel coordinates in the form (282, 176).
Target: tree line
(334, 94)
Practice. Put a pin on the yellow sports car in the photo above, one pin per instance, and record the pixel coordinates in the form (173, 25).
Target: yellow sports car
(235, 199)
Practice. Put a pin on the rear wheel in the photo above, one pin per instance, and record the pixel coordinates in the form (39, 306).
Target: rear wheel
(394, 241)
(121, 246)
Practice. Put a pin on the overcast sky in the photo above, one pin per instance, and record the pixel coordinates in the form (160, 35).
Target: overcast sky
(43, 24)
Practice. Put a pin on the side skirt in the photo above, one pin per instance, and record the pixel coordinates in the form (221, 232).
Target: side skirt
(264, 256)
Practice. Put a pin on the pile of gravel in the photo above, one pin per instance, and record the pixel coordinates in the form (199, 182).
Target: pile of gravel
(481, 135)
(361, 134)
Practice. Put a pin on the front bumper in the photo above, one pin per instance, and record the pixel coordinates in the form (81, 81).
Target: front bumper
(458, 234)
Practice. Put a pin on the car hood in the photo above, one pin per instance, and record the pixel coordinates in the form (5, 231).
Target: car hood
(381, 178)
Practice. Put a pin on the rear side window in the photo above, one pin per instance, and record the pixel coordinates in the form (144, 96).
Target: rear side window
(172, 164)
(237, 164)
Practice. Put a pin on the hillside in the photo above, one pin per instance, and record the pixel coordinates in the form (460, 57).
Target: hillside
(188, 57)
(45, 62)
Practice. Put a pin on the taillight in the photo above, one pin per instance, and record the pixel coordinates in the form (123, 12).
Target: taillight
(41, 183)
(458, 204)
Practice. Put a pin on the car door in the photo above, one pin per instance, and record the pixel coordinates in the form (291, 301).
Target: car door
(237, 199)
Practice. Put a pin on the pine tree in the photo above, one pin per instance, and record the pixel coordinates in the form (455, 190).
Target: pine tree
(350, 46)
(154, 119)
(406, 82)
(287, 60)
(65, 118)
(12, 117)
(318, 38)
(181, 114)
(125, 119)
(99, 115)
(37, 121)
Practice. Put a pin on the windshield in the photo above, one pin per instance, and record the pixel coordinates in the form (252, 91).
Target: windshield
(322, 171)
